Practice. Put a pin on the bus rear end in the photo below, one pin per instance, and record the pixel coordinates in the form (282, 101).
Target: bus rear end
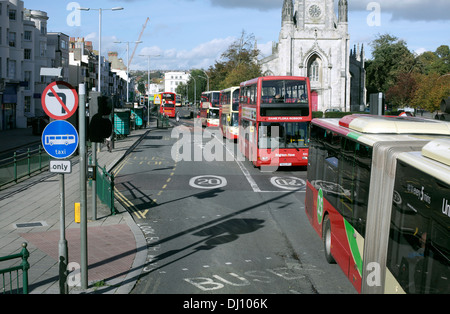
(209, 108)
(169, 102)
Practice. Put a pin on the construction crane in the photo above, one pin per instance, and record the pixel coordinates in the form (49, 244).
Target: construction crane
(137, 43)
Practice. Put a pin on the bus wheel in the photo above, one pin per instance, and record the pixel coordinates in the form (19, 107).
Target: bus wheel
(327, 240)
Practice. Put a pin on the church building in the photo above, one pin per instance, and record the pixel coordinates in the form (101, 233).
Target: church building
(314, 42)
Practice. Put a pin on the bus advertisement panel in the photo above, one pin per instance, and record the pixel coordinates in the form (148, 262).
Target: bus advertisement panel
(209, 108)
(229, 112)
(168, 104)
(352, 190)
(274, 117)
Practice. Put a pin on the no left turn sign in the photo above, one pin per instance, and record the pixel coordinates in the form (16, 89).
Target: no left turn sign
(59, 100)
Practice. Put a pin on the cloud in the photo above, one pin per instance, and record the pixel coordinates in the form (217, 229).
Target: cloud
(265, 49)
(262, 5)
(201, 57)
(410, 10)
(419, 51)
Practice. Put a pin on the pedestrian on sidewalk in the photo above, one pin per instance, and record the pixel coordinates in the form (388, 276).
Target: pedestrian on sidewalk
(109, 143)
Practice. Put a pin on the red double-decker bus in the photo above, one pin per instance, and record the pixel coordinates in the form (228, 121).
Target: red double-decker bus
(229, 112)
(209, 108)
(274, 117)
(168, 104)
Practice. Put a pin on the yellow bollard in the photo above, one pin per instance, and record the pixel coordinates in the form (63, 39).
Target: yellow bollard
(77, 213)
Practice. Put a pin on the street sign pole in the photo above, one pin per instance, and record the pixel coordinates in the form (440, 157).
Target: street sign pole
(63, 250)
(83, 195)
(60, 141)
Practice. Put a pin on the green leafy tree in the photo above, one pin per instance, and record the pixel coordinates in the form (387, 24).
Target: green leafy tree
(141, 88)
(390, 58)
(194, 87)
(238, 64)
(435, 62)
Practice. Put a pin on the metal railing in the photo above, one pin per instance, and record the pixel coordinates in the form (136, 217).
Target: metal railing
(162, 121)
(12, 284)
(22, 165)
(105, 188)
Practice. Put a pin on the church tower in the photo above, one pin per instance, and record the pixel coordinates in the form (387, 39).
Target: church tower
(314, 42)
(287, 16)
(343, 11)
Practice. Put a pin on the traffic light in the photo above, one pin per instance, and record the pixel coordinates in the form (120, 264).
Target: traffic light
(99, 127)
(99, 104)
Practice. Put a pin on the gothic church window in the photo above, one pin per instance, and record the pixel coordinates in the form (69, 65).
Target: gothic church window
(314, 69)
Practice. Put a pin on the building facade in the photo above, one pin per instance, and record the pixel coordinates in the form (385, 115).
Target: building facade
(11, 61)
(314, 43)
(26, 48)
(173, 79)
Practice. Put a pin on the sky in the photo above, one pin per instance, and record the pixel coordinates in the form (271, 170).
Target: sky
(192, 34)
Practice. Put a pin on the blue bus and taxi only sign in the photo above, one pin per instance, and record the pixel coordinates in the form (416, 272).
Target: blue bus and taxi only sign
(60, 139)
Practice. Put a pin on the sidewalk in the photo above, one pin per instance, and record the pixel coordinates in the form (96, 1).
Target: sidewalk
(30, 211)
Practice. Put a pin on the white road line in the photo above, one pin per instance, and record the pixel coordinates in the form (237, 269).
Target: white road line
(244, 170)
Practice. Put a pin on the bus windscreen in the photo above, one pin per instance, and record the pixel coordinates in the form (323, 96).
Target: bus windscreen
(284, 98)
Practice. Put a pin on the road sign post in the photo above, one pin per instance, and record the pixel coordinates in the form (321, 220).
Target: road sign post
(83, 201)
(62, 245)
(60, 141)
(59, 100)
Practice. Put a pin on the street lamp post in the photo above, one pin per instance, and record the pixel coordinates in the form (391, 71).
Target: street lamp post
(195, 93)
(207, 79)
(148, 79)
(83, 227)
(128, 63)
(100, 10)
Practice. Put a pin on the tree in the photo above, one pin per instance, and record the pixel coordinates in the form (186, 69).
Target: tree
(141, 88)
(402, 92)
(435, 62)
(238, 64)
(390, 58)
(194, 87)
(443, 63)
(431, 90)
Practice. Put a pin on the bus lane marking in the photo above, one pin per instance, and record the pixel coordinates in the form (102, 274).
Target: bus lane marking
(250, 277)
(288, 183)
(208, 182)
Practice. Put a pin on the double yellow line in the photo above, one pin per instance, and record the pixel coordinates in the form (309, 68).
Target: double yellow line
(140, 214)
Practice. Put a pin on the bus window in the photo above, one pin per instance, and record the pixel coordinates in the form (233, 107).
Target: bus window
(362, 166)
(214, 98)
(331, 168)
(234, 119)
(354, 181)
(235, 100)
(284, 91)
(419, 242)
(283, 135)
